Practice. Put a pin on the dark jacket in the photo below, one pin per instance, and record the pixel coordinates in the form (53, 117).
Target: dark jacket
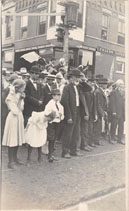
(116, 104)
(91, 103)
(101, 102)
(46, 96)
(32, 99)
(68, 100)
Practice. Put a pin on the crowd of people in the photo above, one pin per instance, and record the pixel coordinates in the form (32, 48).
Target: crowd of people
(51, 105)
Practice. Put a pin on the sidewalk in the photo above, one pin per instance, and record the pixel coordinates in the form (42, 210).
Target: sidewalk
(114, 201)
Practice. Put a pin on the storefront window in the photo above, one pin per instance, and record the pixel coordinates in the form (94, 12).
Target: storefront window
(8, 56)
(87, 58)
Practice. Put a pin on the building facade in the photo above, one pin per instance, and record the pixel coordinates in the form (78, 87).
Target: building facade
(8, 33)
(97, 41)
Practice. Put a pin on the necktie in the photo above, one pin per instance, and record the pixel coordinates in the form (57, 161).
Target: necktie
(57, 106)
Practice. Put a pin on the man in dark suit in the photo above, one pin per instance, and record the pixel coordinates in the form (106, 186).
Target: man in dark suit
(84, 114)
(33, 94)
(46, 91)
(32, 102)
(91, 104)
(71, 101)
(101, 109)
(117, 111)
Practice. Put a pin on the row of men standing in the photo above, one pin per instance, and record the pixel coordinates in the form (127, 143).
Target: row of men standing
(85, 105)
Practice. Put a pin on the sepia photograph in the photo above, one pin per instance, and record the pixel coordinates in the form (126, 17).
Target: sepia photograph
(64, 105)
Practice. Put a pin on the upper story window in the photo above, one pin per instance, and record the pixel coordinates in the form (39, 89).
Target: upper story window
(52, 10)
(121, 27)
(105, 24)
(24, 24)
(42, 23)
(121, 32)
(8, 26)
(80, 14)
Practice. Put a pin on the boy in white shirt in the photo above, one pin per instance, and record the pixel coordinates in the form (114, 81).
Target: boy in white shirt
(54, 105)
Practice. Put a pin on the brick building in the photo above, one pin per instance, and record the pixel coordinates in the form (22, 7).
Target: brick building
(8, 26)
(97, 41)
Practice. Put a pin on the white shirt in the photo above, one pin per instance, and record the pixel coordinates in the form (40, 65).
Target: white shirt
(49, 86)
(51, 106)
(77, 96)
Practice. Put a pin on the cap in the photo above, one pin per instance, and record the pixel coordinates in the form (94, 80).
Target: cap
(43, 74)
(75, 72)
(51, 77)
(35, 69)
(13, 77)
(59, 75)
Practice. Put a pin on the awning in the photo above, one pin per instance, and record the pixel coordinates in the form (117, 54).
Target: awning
(31, 57)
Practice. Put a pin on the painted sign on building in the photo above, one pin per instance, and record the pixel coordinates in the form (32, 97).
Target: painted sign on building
(109, 51)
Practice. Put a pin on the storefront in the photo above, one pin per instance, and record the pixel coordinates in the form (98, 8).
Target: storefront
(110, 63)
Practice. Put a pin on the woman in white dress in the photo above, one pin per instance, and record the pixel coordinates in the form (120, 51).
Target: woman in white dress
(14, 126)
(36, 132)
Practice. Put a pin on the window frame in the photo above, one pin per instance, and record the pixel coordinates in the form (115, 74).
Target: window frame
(105, 26)
(120, 61)
(23, 27)
(8, 25)
(43, 22)
(80, 12)
(52, 11)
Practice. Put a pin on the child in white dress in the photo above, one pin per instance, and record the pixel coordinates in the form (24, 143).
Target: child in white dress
(14, 127)
(36, 132)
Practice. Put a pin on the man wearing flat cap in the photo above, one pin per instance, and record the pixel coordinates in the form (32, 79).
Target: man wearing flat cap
(46, 91)
(117, 111)
(72, 100)
(101, 109)
(33, 94)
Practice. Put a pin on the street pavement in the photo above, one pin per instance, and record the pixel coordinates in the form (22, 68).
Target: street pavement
(96, 177)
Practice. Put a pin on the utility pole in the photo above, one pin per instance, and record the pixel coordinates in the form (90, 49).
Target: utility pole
(66, 39)
(70, 22)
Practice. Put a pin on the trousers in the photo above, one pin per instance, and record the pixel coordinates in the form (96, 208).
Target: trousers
(117, 122)
(71, 134)
(84, 133)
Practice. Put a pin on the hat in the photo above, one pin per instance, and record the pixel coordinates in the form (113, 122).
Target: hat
(102, 80)
(75, 72)
(43, 74)
(23, 70)
(51, 77)
(47, 66)
(35, 69)
(55, 92)
(4, 71)
(18, 83)
(13, 77)
(59, 75)
(80, 67)
(119, 82)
